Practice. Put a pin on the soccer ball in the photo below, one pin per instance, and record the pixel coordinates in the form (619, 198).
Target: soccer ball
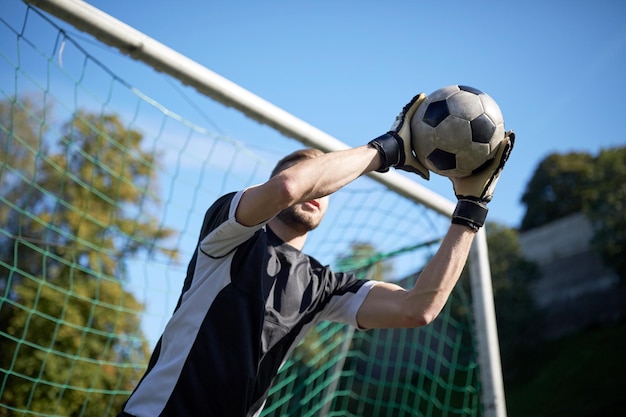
(456, 130)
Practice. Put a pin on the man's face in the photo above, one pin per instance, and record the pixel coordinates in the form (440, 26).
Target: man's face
(306, 216)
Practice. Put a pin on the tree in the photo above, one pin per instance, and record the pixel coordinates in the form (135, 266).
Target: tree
(581, 183)
(606, 207)
(67, 343)
(365, 261)
(75, 208)
(557, 188)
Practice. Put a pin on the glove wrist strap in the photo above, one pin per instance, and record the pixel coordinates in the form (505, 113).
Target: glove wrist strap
(389, 150)
(470, 213)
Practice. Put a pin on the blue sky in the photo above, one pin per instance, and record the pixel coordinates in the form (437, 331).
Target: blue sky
(348, 67)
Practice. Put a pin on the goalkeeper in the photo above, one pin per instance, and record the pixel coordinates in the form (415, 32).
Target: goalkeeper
(251, 294)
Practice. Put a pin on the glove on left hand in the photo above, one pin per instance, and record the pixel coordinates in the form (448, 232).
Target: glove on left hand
(475, 191)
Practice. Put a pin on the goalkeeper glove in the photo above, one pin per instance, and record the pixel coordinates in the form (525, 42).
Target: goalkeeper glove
(475, 191)
(395, 147)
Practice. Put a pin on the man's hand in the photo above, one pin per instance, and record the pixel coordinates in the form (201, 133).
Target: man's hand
(475, 191)
(395, 146)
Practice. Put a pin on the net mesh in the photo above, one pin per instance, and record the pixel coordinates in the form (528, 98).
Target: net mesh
(102, 192)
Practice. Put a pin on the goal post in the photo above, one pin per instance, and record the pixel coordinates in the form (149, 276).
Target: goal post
(143, 48)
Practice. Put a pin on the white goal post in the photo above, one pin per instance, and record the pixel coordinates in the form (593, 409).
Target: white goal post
(162, 58)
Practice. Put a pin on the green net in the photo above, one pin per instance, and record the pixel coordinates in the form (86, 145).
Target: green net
(389, 372)
(102, 192)
(418, 372)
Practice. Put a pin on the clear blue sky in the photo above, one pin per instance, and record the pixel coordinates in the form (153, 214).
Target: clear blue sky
(347, 67)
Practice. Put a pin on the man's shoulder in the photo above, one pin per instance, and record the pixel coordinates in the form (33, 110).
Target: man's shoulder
(223, 200)
(217, 213)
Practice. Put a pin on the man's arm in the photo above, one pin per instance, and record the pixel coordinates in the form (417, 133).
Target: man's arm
(322, 176)
(305, 181)
(390, 306)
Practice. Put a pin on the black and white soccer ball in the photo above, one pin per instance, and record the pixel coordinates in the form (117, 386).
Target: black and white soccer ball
(456, 130)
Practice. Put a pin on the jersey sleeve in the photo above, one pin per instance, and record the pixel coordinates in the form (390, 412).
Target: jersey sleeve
(349, 294)
(221, 233)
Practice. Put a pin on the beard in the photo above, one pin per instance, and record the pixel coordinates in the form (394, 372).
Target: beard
(299, 219)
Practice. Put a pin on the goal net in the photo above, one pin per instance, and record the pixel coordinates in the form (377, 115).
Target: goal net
(106, 169)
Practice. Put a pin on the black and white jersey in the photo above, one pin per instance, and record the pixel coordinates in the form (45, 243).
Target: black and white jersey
(247, 300)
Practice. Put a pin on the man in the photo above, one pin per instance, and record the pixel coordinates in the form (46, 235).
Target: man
(251, 294)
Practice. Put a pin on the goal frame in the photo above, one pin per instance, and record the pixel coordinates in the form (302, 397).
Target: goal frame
(143, 48)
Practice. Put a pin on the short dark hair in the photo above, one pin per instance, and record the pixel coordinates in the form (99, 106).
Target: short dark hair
(295, 157)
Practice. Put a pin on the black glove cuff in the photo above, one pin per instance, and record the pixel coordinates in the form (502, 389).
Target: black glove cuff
(390, 150)
(470, 213)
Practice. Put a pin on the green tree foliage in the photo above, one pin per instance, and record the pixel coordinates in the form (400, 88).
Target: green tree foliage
(74, 207)
(366, 262)
(570, 183)
(70, 351)
(606, 207)
(557, 188)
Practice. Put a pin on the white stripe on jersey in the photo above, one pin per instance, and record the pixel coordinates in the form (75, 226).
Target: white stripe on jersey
(183, 327)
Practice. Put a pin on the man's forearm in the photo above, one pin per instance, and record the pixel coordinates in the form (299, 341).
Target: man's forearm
(437, 280)
(328, 173)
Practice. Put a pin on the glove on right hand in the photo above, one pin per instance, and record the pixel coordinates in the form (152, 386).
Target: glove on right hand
(395, 146)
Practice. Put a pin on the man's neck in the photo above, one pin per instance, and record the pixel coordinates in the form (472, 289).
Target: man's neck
(287, 233)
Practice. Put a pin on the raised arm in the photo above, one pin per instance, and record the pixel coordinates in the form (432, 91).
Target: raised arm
(318, 177)
(390, 306)
(307, 180)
